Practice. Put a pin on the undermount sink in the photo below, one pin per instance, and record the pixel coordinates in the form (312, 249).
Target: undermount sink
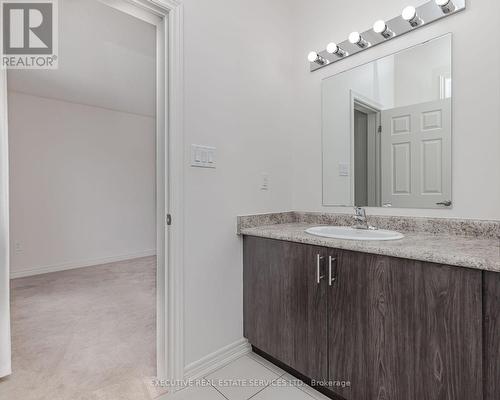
(348, 233)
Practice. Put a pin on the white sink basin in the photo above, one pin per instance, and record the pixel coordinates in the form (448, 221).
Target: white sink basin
(348, 233)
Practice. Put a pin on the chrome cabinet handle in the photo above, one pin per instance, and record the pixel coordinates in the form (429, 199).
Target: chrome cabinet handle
(332, 276)
(318, 269)
(446, 203)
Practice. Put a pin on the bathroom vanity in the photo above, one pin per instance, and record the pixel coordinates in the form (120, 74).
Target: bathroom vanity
(376, 320)
(367, 318)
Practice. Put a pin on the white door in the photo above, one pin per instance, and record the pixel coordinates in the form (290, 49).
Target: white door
(5, 367)
(416, 155)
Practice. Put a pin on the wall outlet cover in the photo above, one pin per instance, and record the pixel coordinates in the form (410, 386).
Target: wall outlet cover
(264, 185)
(343, 169)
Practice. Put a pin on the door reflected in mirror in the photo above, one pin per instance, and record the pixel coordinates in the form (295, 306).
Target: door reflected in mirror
(387, 131)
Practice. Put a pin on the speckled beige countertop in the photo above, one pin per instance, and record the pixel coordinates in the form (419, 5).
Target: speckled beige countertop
(465, 251)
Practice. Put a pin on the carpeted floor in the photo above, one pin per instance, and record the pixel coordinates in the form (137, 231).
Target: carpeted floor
(84, 334)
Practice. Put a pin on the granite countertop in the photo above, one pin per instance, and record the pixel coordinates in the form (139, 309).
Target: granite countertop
(465, 251)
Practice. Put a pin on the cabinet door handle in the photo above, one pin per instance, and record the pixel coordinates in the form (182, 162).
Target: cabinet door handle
(318, 268)
(332, 275)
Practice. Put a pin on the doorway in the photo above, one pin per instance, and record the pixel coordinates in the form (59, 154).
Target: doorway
(366, 149)
(167, 13)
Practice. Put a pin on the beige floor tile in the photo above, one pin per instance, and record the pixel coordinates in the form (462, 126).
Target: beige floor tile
(242, 379)
(282, 392)
(195, 393)
(277, 370)
(292, 381)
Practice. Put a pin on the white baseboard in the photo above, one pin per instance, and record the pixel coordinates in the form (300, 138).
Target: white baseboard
(77, 264)
(216, 360)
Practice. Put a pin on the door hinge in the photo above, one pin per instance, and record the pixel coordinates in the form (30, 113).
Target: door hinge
(169, 219)
(380, 129)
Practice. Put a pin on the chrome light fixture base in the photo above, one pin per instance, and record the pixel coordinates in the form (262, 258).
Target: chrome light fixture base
(427, 13)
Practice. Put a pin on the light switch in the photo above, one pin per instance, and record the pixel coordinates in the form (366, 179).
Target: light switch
(203, 156)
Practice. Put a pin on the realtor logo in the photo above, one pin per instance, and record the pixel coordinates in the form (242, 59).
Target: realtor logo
(29, 34)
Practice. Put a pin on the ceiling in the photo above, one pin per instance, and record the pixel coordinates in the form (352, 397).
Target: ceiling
(106, 59)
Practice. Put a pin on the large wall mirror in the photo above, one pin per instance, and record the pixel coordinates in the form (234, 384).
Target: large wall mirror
(387, 131)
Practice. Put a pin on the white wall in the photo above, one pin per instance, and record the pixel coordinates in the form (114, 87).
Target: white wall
(82, 184)
(476, 101)
(416, 83)
(238, 58)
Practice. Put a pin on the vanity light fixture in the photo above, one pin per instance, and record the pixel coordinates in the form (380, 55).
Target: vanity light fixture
(382, 31)
(333, 48)
(410, 15)
(447, 6)
(316, 58)
(357, 39)
(381, 27)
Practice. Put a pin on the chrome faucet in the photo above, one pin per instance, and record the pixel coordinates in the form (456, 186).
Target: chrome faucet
(360, 218)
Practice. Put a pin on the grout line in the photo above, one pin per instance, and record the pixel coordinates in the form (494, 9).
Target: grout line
(257, 359)
(258, 362)
(310, 395)
(218, 391)
(264, 388)
(304, 389)
(224, 366)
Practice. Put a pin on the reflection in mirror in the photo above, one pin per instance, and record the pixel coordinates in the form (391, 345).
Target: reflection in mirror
(387, 131)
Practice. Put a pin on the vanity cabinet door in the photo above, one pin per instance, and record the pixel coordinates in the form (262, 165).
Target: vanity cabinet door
(284, 306)
(492, 335)
(370, 329)
(401, 329)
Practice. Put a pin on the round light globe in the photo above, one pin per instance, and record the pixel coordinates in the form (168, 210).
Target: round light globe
(332, 48)
(313, 56)
(354, 37)
(379, 26)
(409, 13)
(442, 3)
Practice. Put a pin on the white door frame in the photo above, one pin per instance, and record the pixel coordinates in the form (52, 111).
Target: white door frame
(170, 177)
(167, 16)
(367, 105)
(5, 342)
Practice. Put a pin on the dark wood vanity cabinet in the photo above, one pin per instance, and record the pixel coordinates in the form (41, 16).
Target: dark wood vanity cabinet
(403, 329)
(394, 328)
(492, 335)
(285, 308)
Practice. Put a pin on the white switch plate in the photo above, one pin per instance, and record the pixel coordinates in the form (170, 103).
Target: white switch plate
(343, 169)
(203, 156)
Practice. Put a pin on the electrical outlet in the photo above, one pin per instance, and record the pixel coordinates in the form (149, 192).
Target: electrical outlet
(343, 169)
(264, 185)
